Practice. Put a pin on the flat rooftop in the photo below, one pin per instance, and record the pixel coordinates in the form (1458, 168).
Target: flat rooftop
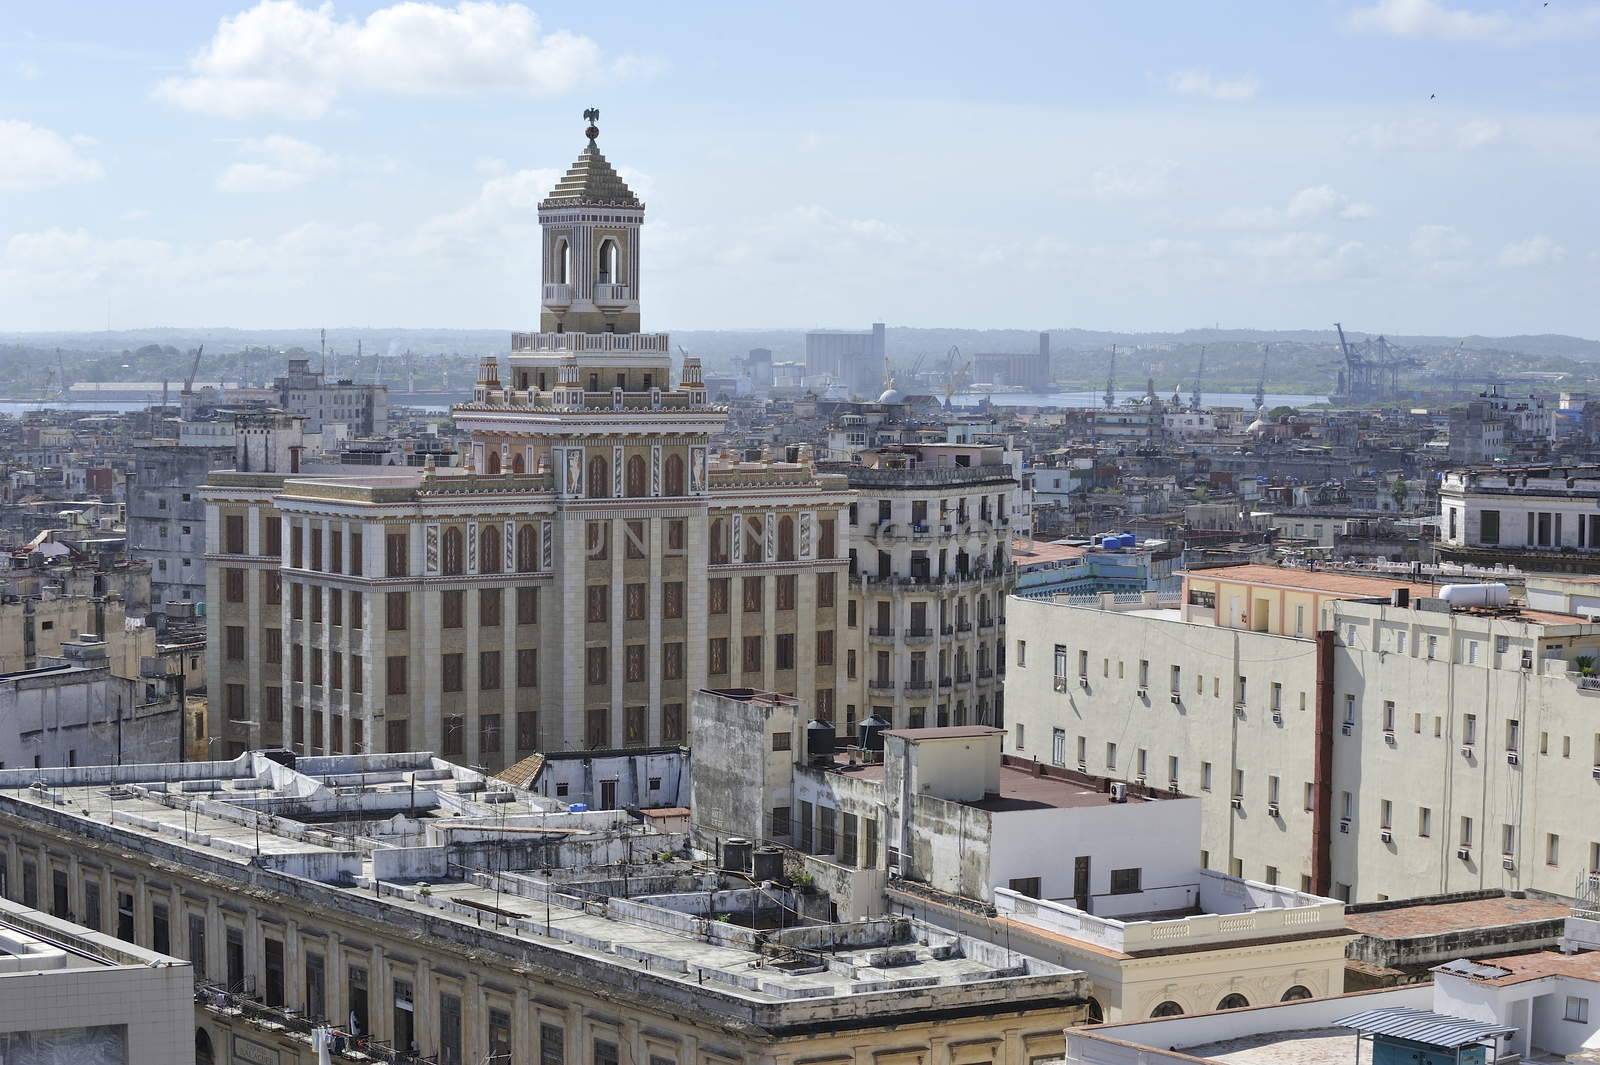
(1326, 582)
(1535, 965)
(367, 834)
(1438, 918)
(1310, 1046)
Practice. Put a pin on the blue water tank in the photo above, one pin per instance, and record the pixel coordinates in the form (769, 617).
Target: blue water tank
(1128, 539)
(579, 808)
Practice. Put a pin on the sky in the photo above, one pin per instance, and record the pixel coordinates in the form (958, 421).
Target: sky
(1402, 166)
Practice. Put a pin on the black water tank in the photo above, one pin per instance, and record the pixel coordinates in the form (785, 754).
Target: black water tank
(819, 742)
(766, 863)
(871, 732)
(736, 854)
(280, 756)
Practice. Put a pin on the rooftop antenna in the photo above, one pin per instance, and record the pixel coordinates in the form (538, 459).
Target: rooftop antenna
(1111, 380)
(1199, 375)
(1261, 383)
(324, 351)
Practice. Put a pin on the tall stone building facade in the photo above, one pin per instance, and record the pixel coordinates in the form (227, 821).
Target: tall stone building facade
(590, 566)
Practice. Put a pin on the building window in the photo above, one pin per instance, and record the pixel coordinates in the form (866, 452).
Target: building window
(1125, 881)
(451, 672)
(752, 595)
(597, 670)
(527, 730)
(489, 671)
(1577, 1009)
(489, 734)
(450, 604)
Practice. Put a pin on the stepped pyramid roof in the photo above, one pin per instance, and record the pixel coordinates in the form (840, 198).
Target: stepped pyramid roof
(591, 181)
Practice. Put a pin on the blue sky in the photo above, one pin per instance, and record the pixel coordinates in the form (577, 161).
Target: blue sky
(1131, 165)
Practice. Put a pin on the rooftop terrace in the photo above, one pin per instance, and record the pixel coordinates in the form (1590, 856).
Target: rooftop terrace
(414, 842)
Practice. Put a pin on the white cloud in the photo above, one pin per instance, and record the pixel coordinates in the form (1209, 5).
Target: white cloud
(1320, 201)
(1437, 20)
(284, 59)
(274, 164)
(1311, 203)
(1202, 83)
(32, 157)
(1535, 251)
(1438, 242)
(507, 206)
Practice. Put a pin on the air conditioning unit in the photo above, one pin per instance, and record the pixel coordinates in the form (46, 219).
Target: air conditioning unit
(1597, 772)
(1388, 736)
(1061, 684)
(1344, 825)
(1466, 750)
(1238, 802)
(1348, 727)
(1464, 853)
(1119, 791)
(1083, 682)
(1239, 706)
(1172, 786)
(1144, 693)
(1508, 862)
(1176, 699)
(1083, 767)
(1386, 835)
(1512, 758)
(1272, 809)
(1277, 717)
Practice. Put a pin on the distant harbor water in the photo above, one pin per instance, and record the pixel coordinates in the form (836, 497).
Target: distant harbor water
(1097, 398)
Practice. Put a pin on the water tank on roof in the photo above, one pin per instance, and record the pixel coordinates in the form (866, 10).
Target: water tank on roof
(736, 854)
(1491, 594)
(819, 742)
(579, 808)
(1128, 539)
(766, 863)
(871, 733)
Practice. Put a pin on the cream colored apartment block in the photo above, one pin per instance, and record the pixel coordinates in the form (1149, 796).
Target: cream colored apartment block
(1396, 745)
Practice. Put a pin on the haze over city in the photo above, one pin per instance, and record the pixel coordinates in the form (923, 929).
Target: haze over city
(1415, 165)
(710, 534)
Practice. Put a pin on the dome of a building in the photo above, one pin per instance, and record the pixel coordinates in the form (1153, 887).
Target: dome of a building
(892, 395)
(1262, 422)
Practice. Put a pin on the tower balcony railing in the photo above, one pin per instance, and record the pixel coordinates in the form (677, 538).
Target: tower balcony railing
(625, 343)
(558, 294)
(607, 292)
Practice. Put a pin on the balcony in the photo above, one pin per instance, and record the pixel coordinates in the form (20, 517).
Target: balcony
(918, 635)
(558, 295)
(880, 633)
(945, 682)
(985, 674)
(963, 626)
(577, 343)
(607, 294)
(985, 623)
(963, 678)
(881, 684)
(918, 684)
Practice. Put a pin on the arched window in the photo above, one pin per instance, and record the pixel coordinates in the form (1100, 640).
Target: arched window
(1096, 1012)
(1168, 1008)
(494, 461)
(527, 549)
(674, 475)
(1296, 993)
(1234, 1001)
(786, 539)
(561, 261)
(605, 263)
(454, 553)
(599, 478)
(203, 1052)
(637, 488)
(517, 465)
(489, 549)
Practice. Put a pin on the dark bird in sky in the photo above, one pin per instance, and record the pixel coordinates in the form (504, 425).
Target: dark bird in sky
(1431, 95)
